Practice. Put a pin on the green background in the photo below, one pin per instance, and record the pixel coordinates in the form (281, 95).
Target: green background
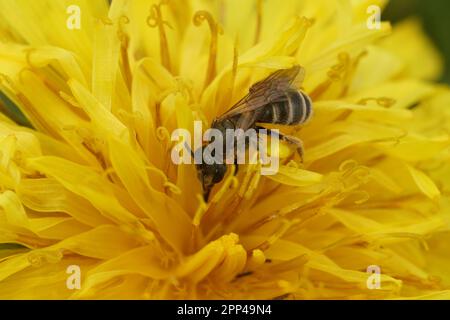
(435, 15)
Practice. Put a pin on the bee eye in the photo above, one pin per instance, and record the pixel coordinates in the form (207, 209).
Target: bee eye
(199, 168)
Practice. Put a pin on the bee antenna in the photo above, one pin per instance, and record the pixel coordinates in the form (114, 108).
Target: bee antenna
(186, 145)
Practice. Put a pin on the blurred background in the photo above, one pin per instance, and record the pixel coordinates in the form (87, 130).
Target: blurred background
(435, 15)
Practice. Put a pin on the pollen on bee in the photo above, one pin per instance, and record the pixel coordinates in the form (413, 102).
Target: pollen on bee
(234, 146)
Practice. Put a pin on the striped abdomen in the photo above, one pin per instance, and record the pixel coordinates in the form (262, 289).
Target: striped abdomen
(295, 108)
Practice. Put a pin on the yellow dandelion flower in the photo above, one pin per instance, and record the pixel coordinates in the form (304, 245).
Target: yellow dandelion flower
(88, 188)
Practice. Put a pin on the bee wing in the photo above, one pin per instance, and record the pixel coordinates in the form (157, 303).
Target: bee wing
(280, 81)
(269, 90)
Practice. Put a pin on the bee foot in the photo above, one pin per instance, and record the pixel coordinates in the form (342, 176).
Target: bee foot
(298, 144)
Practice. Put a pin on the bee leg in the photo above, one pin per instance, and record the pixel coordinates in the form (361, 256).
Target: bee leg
(289, 139)
(297, 142)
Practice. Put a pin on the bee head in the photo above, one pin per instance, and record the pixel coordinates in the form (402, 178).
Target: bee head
(209, 175)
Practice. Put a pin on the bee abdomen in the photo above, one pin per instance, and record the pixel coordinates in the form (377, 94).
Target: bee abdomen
(295, 109)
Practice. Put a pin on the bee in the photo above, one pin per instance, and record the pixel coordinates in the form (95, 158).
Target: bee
(274, 100)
